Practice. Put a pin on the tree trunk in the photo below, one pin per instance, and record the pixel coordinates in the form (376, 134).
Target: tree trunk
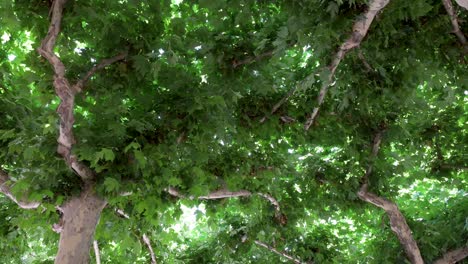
(78, 224)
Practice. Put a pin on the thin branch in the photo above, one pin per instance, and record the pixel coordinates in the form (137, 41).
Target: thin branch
(96, 252)
(66, 92)
(121, 213)
(146, 239)
(249, 60)
(453, 19)
(397, 220)
(360, 29)
(453, 256)
(224, 193)
(303, 84)
(221, 194)
(364, 61)
(104, 63)
(148, 244)
(281, 253)
(5, 189)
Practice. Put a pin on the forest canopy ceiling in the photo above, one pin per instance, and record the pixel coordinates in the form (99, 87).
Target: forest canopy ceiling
(234, 131)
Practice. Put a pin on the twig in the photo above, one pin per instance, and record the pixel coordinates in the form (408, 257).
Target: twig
(360, 29)
(283, 254)
(453, 19)
(66, 92)
(453, 256)
(148, 244)
(5, 189)
(397, 220)
(96, 252)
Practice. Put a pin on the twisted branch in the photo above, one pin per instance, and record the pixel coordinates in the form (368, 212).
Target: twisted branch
(67, 92)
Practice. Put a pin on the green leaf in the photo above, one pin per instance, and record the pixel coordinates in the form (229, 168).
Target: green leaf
(111, 184)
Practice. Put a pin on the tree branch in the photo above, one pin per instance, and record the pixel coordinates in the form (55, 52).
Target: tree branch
(462, 3)
(66, 92)
(104, 63)
(223, 193)
(453, 256)
(453, 19)
(397, 220)
(249, 60)
(96, 252)
(283, 254)
(5, 189)
(302, 85)
(148, 244)
(360, 29)
(364, 61)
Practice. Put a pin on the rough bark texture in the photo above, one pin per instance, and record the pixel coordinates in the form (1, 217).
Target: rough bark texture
(453, 256)
(397, 220)
(79, 220)
(397, 223)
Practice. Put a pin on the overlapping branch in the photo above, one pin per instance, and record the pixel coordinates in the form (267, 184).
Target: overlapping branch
(453, 256)
(5, 189)
(67, 92)
(453, 19)
(281, 253)
(360, 29)
(397, 220)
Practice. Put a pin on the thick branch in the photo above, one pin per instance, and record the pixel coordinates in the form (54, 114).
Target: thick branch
(67, 92)
(283, 254)
(453, 19)
(462, 3)
(453, 256)
(96, 252)
(360, 29)
(150, 248)
(5, 189)
(397, 220)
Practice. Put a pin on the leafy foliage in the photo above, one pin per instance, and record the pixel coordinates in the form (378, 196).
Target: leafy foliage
(185, 109)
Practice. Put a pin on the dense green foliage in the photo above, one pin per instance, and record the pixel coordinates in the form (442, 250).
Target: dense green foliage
(184, 110)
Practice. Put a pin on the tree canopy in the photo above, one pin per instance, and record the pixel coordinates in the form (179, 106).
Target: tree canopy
(233, 131)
